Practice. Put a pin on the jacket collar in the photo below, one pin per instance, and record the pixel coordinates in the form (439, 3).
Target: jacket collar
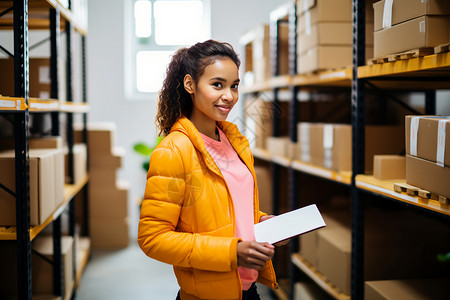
(237, 140)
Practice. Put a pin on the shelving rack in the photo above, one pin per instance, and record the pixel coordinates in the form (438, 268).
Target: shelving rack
(423, 74)
(20, 16)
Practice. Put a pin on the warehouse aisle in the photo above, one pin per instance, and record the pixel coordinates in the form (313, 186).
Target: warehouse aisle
(129, 274)
(126, 274)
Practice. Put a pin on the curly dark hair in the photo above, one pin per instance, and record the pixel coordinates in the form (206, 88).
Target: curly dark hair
(174, 101)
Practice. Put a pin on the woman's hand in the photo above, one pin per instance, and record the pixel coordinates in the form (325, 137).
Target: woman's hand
(281, 243)
(254, 255)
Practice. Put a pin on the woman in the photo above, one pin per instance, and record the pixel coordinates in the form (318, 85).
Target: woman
(201, 197)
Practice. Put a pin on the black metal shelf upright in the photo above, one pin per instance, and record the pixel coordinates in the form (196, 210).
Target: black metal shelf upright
(358, 150)
(21, 124)
(21, 135)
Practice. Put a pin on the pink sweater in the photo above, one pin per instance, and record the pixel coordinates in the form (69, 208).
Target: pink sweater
(241, 185)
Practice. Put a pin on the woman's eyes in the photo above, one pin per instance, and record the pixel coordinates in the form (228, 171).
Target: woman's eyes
(220, 85)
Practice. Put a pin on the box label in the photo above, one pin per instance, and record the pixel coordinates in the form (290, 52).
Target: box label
(328, 146)
(387, 14)
(440, 155)
(304, 143)
(413, 135)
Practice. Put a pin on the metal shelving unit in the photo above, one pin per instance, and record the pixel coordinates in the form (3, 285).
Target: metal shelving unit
(20, 16)
(424, 74)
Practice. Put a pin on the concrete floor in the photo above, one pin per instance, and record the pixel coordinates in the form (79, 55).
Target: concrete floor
(129, 274)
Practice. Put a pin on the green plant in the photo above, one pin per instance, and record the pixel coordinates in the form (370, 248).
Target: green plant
(146, 150)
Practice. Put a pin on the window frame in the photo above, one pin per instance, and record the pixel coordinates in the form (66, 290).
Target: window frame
(136, 45)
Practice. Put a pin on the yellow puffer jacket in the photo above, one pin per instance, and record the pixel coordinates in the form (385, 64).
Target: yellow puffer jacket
(187, 216)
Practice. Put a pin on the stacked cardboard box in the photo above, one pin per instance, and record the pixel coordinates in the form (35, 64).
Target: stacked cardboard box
(41, 268)
(108, 196)
(388, 167)
(431, 288)
(324, 34)
(46, 175)
(43, 271)
(404, 25)
(407, 252)
(258, 66)
(330, 145)
(79, 163)
(259, 117)
(428, 153)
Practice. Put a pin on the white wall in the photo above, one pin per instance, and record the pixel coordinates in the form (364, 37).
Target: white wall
(106, 68)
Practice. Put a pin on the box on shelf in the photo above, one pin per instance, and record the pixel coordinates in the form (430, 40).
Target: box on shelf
(42, 270)
(278, 145)
(404, 10)
(325, 10)
(386, 255)
(39, 77)
(103, 176)
(101, 138)
(107, 234)
(422, 134)
(264, 180)
(58, 164)
(427, 288)
(46, 185)
(330, 145)
(388, 167)
(325, 58)
(79, 162)
(256, 43)
(259, 117)
(421, 32)
(330, 34)
(428, 175)
(45, 142)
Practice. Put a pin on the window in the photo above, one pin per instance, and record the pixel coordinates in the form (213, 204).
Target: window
(160, 28)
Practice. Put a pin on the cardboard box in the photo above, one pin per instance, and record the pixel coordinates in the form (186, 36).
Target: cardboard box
(259, 117)
(330, 145)
(330, 34)
(388, 167)
(115, 160)
(42, 271)
(428, 175)
(45, 142)
(308, 242)
(278, 145)
(109, 202)
(101, 138)
(103, 176)
(58, 181)
(326, 10)
(382, 256)
(79, 162)
(42, 187)
(404, 10)
(424, 137)
(327, 57)
(331, 10)
(421, 32)
(256, 43)
(430, 288)
(107, 234)
(39, 77)
(264, 181)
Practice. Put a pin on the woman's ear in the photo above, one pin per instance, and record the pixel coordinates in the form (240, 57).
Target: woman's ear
(188, 84)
